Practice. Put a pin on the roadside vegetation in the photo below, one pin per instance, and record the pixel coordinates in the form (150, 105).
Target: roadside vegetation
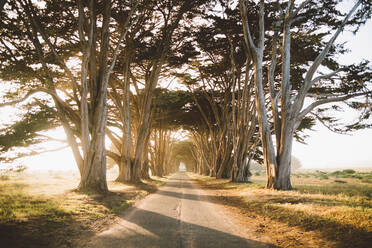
(42, 209)
(319, 212)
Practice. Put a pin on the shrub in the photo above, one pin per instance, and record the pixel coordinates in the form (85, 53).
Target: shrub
(323, 176)
(336, 173)
(340, 181)
(4, 177)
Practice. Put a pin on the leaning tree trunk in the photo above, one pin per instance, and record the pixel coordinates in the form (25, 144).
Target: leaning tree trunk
(145, 164)
(224, 169)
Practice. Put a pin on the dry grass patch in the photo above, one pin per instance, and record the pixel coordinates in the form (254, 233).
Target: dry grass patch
(319, 213)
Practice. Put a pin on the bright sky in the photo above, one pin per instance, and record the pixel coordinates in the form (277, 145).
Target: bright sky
(324, 149)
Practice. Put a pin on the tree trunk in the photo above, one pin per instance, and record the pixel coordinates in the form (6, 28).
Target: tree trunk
(212, 172)
(145, 169)
(93, 178)
(283, 180)
(243, 174)
(124, 172)
(145, 164)
(145, 122)
(223, 170)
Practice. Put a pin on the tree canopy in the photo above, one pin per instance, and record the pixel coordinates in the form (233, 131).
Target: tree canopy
(241, 78)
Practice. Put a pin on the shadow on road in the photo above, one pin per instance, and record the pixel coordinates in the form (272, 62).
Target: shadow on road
(158, 234)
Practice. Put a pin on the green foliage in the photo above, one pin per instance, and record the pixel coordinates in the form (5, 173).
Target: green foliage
(23, 132)
(15, 32)
(204, 48)
(181, 151)
(169, 107)
(349, 171)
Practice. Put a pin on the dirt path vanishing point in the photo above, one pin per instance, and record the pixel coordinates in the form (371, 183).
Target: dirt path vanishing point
(178, 215)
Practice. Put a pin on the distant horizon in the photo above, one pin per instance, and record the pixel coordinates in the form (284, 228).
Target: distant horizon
(332, 167)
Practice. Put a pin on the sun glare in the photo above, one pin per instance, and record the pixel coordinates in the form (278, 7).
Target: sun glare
(60, 161)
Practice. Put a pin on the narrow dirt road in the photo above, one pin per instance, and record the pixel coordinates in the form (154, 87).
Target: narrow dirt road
(179, 214)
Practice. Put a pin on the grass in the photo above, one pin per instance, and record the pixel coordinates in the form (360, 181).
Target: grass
(365, 177)
(16, 205)
(21, 207)
(45, 211)
(340, 213)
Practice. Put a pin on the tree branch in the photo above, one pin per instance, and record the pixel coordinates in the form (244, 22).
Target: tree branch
(326, 76)
(328, 126)
(272, 66)
(313, 68)
(58, 100)
(30, 93)
(299, 8)
(322, 55)
(34, 153)
(247, 33)
(114, 140)
(328, 100)
(124, 32)
(51, 138)
(33, 16)
(113, 155)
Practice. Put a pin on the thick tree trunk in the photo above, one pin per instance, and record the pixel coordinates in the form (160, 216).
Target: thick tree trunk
(226, 161)
(212, 172)
(93, 178)
(124, 172)
(145, 164)
(283, 180)
(158, 171)
(145, 122)
(145, 170)
(243, 173)
(223, 171)
(141, 139)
